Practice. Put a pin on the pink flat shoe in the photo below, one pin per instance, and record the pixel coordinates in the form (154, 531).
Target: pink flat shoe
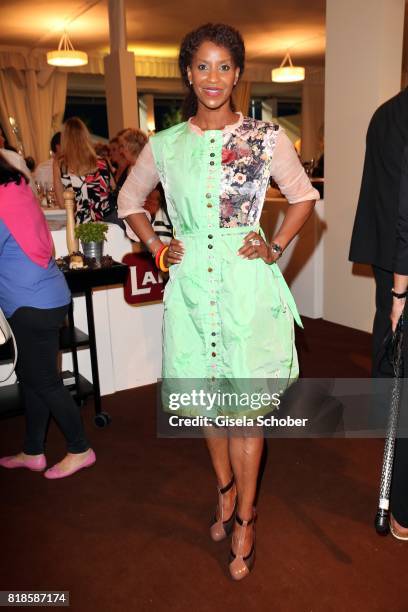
(55, 472)
(36, 463)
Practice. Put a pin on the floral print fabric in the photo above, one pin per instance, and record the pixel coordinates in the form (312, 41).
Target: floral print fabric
(92, 193)
(246, 168)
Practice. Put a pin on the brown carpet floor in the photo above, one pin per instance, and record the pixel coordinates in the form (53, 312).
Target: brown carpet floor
(132, 532)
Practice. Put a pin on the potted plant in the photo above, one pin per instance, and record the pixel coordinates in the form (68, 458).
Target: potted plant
(92, 236)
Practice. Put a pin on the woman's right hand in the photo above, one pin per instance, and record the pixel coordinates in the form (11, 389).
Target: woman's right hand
(174, 253)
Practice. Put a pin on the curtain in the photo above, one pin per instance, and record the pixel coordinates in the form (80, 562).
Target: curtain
(312, 129)
(34, 95)
(12, 104)
(241, 96)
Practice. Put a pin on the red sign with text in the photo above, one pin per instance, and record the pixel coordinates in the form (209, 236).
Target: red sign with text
(144, 282)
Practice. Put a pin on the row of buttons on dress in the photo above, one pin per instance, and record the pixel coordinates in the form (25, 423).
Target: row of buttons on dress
(212, 218)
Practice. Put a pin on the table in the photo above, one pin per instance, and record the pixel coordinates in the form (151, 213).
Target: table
(83, 282)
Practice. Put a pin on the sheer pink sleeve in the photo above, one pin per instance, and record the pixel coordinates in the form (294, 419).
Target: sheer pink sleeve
(289, 174)
(141, 181)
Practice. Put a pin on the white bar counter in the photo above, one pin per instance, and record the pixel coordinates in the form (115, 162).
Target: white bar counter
(303, 260)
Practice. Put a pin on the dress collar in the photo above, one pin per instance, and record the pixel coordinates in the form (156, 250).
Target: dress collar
(228, 128)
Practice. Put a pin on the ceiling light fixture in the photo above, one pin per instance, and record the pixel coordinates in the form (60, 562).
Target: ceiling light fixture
(288, 74)
(66, 55)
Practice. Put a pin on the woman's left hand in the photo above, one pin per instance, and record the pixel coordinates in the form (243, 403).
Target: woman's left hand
(398, 306)
(255, 247)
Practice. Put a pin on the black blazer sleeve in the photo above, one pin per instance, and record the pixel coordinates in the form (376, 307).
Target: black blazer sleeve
(401, 245)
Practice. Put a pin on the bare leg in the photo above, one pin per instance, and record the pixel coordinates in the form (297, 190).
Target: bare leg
(245, 454)
(218, 446)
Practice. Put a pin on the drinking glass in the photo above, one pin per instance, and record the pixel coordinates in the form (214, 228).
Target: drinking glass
(40, 190)
(50, 195)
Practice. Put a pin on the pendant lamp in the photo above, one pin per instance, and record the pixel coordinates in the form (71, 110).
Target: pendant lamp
(288, 73)
(66, 55)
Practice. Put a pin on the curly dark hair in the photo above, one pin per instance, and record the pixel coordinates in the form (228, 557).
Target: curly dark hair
(218, 33)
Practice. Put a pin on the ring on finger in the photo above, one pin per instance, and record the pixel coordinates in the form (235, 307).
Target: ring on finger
(254, 241)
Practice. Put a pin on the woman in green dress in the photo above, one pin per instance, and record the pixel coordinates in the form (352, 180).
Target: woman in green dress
(228, 313)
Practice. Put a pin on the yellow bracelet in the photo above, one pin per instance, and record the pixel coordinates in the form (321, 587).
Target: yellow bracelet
(161, 260)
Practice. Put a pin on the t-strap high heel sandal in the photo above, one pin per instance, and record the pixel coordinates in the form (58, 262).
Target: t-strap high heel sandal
(240, 566)
(221, 527)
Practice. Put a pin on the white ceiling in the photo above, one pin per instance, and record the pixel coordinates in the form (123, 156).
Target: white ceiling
(156, 26)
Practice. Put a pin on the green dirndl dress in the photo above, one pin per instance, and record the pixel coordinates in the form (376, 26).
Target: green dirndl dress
(228, 321)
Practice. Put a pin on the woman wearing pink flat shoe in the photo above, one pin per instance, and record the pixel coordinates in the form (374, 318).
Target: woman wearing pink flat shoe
(35, 297)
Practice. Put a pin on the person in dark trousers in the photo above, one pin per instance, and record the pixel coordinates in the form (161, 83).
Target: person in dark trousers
(380, 238)
(34, 296)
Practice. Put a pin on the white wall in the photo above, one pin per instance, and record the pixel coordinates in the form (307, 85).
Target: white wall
(363, 69)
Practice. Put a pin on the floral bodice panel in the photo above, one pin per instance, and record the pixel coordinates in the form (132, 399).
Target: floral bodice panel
(246, 167)
(225, 170)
